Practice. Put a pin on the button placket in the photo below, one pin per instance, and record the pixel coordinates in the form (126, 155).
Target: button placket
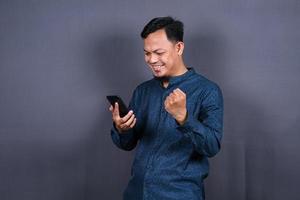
(149, 165)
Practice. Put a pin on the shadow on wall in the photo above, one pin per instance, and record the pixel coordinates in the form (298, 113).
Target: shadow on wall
(238, 169)
(260, 142)
(206, 53)
(115, 60)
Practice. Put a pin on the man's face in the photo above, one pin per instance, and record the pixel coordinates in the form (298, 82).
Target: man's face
(161, 55)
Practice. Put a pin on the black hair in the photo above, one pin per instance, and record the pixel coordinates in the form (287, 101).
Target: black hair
(172, 27)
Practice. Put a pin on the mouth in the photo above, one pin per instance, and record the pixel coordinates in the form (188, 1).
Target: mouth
(157, 68)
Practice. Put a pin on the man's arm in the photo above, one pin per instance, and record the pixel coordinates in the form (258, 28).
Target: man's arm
(123, 132)
(206, 131)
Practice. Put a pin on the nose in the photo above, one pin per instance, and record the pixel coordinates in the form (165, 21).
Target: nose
(152, 59)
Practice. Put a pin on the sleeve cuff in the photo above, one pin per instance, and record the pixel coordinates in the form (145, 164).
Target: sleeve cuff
(126, 135)
(191, 125)
(193, 129)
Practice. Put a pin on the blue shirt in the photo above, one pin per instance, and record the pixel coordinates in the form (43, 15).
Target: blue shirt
(171, 159)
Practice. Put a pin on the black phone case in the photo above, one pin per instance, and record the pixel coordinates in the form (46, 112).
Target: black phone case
(123, 110)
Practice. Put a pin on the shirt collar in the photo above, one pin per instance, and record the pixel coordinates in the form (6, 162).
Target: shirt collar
(177, 79)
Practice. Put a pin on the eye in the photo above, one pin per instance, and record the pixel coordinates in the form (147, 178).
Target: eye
(160, 53)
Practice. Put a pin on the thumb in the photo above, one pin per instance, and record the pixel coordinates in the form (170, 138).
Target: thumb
(116, 111)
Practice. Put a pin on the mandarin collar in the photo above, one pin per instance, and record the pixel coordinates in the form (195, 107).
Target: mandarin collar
(177, 79)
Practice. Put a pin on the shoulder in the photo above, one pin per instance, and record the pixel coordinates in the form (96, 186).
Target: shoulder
(205, 84)
(143, 90)
(205, 89)
(146, 85)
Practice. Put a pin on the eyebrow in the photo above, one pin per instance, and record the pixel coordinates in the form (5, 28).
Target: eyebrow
(155, 50)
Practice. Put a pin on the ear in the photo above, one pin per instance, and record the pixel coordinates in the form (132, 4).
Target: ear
(179, 48)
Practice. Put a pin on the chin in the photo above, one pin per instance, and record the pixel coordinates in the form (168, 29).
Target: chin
(159, 75)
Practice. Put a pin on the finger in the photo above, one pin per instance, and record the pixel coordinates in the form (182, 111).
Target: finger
(166, 102)
(111, 108)
(133, 123)
(176, 93)
(179, 91)
(166, 106)
(127, 116)
(176, 96)
(179, 94)
(126, 124)
(168, 99)
(169, 102)
(116, 113)
(130, 120)
(171, 96)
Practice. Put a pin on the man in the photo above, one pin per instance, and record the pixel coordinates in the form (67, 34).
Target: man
(176, 121)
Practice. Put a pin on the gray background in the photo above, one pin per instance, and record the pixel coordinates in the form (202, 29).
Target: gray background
(58, 60)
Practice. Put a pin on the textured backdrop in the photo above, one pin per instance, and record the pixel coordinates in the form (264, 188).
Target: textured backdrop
(58, 60)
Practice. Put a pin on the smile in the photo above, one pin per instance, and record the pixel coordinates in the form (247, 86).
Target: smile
(157, 67)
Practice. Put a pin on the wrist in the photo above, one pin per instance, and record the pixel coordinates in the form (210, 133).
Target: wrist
(181, 119)
(117, 128)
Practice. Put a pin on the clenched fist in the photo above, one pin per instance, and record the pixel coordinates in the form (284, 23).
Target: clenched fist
(175, 104)
(125, 123)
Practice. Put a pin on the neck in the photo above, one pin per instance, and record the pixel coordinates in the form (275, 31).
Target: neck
(183, 69)
(165, 84)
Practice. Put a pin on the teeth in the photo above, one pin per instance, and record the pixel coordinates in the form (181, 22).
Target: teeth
(157, 67)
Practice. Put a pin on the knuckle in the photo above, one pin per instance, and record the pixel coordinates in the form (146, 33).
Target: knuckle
(120, 121)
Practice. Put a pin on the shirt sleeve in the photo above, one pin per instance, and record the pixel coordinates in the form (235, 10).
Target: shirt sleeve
(206, 131)
(127, 140)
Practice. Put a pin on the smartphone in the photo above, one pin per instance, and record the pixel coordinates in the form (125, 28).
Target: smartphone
(123, 110)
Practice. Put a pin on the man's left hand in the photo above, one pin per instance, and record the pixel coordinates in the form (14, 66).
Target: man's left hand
(175, 104)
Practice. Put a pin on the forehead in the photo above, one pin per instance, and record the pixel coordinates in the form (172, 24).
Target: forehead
(157, 40)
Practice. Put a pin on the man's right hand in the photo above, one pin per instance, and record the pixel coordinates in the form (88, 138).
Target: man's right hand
(125, 123)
